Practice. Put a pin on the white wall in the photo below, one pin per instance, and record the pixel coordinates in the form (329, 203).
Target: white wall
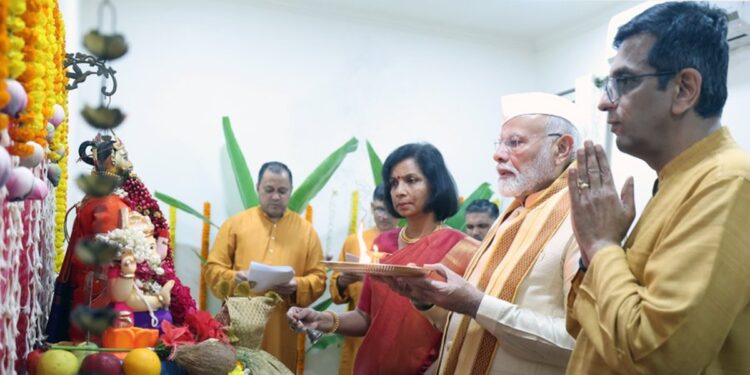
(580, 51)
(297, 84)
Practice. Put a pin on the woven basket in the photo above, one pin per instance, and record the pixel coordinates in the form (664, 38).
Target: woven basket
(248, 317)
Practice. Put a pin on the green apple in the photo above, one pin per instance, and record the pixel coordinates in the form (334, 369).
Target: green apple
(81, 354)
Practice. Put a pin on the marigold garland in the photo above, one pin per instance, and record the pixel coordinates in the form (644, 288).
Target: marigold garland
(172, 227)
(355, 209)
(301, 336)
(205, 238)
(16, 64)
(4, 49)
(39, 45)
(60, 139)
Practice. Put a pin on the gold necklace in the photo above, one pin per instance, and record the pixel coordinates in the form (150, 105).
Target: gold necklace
(408, 240)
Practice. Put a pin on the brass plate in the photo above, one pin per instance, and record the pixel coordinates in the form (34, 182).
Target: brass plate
(377, 269)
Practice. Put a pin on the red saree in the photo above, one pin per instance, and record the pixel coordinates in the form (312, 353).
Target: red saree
(400, 341)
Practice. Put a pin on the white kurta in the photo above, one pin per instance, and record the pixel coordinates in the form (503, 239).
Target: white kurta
(531, 333)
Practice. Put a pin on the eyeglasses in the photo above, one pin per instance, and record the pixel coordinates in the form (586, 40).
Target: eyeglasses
(516, 143)
(615, 87)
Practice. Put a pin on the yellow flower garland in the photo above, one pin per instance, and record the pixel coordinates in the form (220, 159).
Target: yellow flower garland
(205, 238)
(4, 48)
(355, 209)
(60, 139)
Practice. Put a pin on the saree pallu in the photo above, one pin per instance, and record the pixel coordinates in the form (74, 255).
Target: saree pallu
(400, 341)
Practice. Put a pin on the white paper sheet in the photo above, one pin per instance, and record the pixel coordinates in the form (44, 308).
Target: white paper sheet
(352, 258)
(264, 277)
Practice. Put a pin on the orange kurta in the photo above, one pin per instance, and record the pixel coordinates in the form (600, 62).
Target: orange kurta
(350, 297)
(252, 236)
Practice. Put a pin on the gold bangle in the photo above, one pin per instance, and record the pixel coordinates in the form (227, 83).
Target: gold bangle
(336, 322)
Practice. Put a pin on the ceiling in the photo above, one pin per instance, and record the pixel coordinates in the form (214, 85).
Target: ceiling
(529, 19)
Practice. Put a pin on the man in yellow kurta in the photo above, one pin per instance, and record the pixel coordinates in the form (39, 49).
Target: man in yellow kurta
(507, 314)
(674, 298)
(272, 235)
(345, 288)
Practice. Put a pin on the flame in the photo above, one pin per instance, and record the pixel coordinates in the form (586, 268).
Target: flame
(364, 258)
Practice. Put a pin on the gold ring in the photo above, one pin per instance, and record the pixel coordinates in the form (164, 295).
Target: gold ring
(582, 185)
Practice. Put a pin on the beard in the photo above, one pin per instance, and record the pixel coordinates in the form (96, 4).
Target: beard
(531, 179)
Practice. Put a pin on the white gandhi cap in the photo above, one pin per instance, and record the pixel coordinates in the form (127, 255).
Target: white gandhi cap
(540, 103)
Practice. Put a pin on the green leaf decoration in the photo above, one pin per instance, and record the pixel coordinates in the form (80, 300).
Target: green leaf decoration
(181, 206)
(203, 260)
(327, 341)
(323, 306)
(242, 175)
(457, 221)
(320, 176)
(375, 164)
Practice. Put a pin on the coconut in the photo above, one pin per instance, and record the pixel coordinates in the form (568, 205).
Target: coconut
(206, 358)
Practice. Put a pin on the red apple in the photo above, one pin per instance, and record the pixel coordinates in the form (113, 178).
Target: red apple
(32, 361)
(101, 364)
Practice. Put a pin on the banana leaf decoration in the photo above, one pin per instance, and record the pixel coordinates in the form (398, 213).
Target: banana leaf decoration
(457, 221)
(174, 202)
(242, 175)
(375, 164)
(315, 182)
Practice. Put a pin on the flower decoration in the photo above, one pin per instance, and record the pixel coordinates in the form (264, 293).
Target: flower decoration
(133, 239)
(205, 327)
(173, 337)
(140, 199)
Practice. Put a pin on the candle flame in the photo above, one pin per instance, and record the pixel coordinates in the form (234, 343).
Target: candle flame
(363, 256)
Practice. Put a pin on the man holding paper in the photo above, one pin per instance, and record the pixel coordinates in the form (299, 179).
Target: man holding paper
(271, 235)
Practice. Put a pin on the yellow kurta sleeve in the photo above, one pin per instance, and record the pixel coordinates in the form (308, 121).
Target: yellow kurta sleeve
(351, 294)
(350, 246)
(312, 283)
(219, 265)
(693, 287)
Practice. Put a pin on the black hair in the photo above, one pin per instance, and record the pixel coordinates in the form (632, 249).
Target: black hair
(688, 35)
(103, 148)
(443, 200)
(483, 206)
(379, 193)
(275, 167)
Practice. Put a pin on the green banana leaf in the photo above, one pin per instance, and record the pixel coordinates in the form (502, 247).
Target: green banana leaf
(319, 177)
(375, 164)
(202, 259)
(242, 175)
(323, 306)
(181, 206)
(457, 221)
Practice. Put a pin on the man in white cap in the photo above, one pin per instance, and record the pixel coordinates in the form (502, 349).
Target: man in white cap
(507, 314)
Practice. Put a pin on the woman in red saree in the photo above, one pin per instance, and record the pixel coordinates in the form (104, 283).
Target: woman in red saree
(398, 339)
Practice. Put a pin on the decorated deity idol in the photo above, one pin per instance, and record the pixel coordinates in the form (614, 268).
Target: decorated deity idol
(117, 209)
(133, 297)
